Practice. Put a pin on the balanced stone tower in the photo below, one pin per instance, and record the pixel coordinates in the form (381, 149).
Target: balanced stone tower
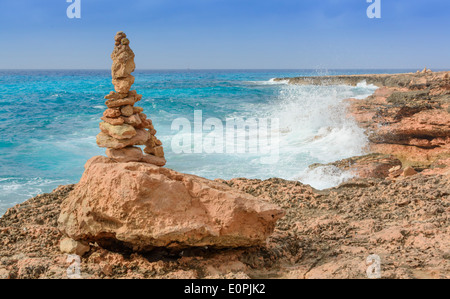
(124, 125)
(128, 201)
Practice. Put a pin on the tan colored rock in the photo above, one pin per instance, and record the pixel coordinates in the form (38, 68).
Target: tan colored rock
(119, 132)
(104, 140)
(122, 57)
(133, 120)
(408, 117)
(440, 166)
(368, 166)
(127, 110)
(119, 36)
(116, 96)
(157, 151)
(432, 123)
(157, 141)
(127, 154)
(97, 159)
(143, 206)
(113, 121)
(137, 110)
(123, 85)
(145, 124)
(70, 246)
(149, 150)
(111, 112)
(395, 171)
(113, 103)
(133, 93)
(409, 171)
(4, 274)
(151, 142)
(154, 160)
(395, 168)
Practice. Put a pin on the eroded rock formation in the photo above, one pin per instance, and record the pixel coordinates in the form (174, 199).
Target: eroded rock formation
(408, 116)
(409, 119)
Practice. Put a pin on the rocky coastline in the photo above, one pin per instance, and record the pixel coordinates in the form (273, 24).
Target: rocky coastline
(407, 117)
(398, 207)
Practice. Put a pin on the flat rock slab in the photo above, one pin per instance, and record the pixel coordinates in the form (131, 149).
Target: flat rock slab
(140, 206)
(104, 140)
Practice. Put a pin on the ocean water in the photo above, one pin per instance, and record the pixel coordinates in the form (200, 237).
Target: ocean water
(49, 120)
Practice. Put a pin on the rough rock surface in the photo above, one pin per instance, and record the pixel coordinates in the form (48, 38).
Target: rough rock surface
(367, 166)
(128, 154)
(326, 234)
(416, 80)
(105, 140)
(70, 246)
(118, 131)
(410, 119)
(408, 116)
(140, 206)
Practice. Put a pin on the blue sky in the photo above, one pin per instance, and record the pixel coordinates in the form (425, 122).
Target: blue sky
(231, 34)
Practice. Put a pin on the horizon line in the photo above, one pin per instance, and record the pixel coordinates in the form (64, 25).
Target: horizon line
(214, 69)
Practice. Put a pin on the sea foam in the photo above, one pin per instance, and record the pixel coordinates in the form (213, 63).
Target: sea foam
(314, 127)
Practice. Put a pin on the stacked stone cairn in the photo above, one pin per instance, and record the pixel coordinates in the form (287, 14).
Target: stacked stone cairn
(125, 126)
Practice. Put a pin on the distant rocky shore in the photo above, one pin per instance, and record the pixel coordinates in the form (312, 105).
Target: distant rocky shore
(408, 117)
(398, 208)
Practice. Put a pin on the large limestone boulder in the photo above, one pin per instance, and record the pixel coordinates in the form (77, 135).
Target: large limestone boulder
(141, 206)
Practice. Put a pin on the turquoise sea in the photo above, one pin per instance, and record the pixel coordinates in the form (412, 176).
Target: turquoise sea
(49, 120)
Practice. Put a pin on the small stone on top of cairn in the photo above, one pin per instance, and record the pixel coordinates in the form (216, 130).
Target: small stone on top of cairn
(124, 125)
